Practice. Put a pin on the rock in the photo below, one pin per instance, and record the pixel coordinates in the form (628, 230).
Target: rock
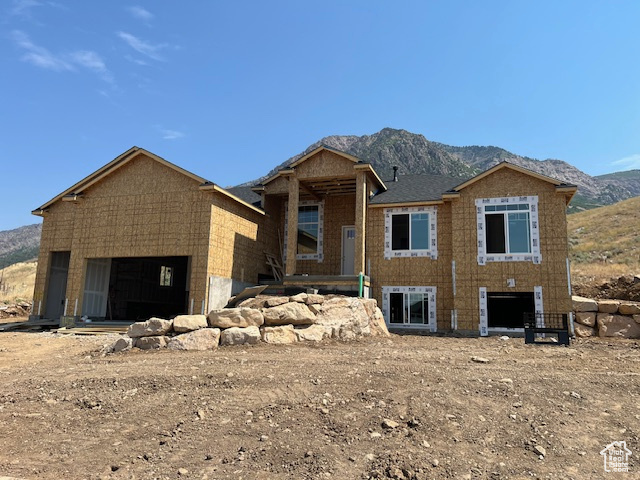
(235, 317)
(122, 344)
(307, 298)
(479, 359)
(346, 315)
(203, 339)
(149, 343)
(315, 309)
(389, 424)
(313, 333)
(617, 326)
(279, 335)
(183, 471)
(584, 331)
(636, 318)
(377, 324)
(189, 323)
(240, 336)
(539, 450)
(288, 314)
(582, 304)
(275, 301)
(586, 318)
(152, 327)
(629, 309)
(255, 302)
(608, 306)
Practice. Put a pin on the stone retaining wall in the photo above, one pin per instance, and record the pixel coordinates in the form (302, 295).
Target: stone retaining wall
(270, 319)
(606, 318)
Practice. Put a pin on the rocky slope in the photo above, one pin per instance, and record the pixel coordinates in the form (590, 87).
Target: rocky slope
(20, 244)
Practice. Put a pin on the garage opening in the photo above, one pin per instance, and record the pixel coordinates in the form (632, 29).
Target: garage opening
(141, 288)
(506, 309)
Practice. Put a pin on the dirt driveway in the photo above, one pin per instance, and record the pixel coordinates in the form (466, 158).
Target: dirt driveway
(404, 407)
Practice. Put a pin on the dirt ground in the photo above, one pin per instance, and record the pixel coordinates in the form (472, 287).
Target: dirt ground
(317, 411)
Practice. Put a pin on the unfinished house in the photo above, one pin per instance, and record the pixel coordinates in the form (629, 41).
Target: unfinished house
(143, 237)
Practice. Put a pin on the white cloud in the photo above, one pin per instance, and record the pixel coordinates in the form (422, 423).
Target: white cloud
(43, 58)
(39, 56)
(140, 13)
(171, 134)
(142, 47)
(23, 7)
(628, 163)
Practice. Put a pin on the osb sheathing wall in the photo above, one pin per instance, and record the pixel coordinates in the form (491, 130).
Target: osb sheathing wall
(142, 209)
(325, 164)
(551, 274)
(407, 271)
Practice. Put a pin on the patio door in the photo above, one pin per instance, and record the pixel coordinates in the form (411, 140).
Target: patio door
(348, 249)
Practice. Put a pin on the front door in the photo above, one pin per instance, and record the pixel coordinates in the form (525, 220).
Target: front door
(348, 249)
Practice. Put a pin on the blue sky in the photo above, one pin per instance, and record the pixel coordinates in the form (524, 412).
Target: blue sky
(230, 89)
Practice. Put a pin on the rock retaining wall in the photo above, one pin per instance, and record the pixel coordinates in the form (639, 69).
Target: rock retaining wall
(270, 319)
(606, 318)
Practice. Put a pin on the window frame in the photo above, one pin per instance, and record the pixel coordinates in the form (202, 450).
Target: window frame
(534, 255)
(428, 291)
(319, 256)
(430, 252)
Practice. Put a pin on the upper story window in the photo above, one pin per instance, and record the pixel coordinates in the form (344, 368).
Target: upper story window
(310, 231)
(410, 232)
(508, 229)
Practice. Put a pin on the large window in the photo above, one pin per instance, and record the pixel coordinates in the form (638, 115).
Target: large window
(409, 306)
(308, 227)
(410, 232)
(310, 231)
(508, 229)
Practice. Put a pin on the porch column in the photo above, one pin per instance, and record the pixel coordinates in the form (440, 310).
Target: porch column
(292, 225)
(361, 218)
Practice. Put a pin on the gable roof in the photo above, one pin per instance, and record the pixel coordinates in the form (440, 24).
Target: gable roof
(121, 160)
(415, 188)
(517, 168)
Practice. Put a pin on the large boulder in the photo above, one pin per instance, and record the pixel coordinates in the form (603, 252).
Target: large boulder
(202, 339)
(235, 317)
(582, 304)
(584, 331)
(240, 336)
(307, 298)
(378, 325)
(150, 343)
(608, 306)
(629, 308)
(122, 344)
(152, 327)
(586, 318)
(313, 333)
(254, 302)
(347, 316)
(279, 335)
(275, 301)
(617, 326)
(189, 323)
(288, 314)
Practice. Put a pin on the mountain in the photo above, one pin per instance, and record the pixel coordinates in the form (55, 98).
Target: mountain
(413, 153)
(19, 245)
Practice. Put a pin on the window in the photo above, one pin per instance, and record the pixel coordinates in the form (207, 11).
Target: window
(308, 229)
(508, 229)
(166, 276)
(410, 232)
(409, 306)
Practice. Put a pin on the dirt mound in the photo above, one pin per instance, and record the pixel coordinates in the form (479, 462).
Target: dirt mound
(15, 310)
(626, 287)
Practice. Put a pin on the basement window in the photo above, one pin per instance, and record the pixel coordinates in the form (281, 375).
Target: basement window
(410, 232)
(410, 307)
(508, 229)
(166, 276)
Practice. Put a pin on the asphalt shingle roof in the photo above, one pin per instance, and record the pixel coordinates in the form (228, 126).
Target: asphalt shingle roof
(416, 188)
(246, 194)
